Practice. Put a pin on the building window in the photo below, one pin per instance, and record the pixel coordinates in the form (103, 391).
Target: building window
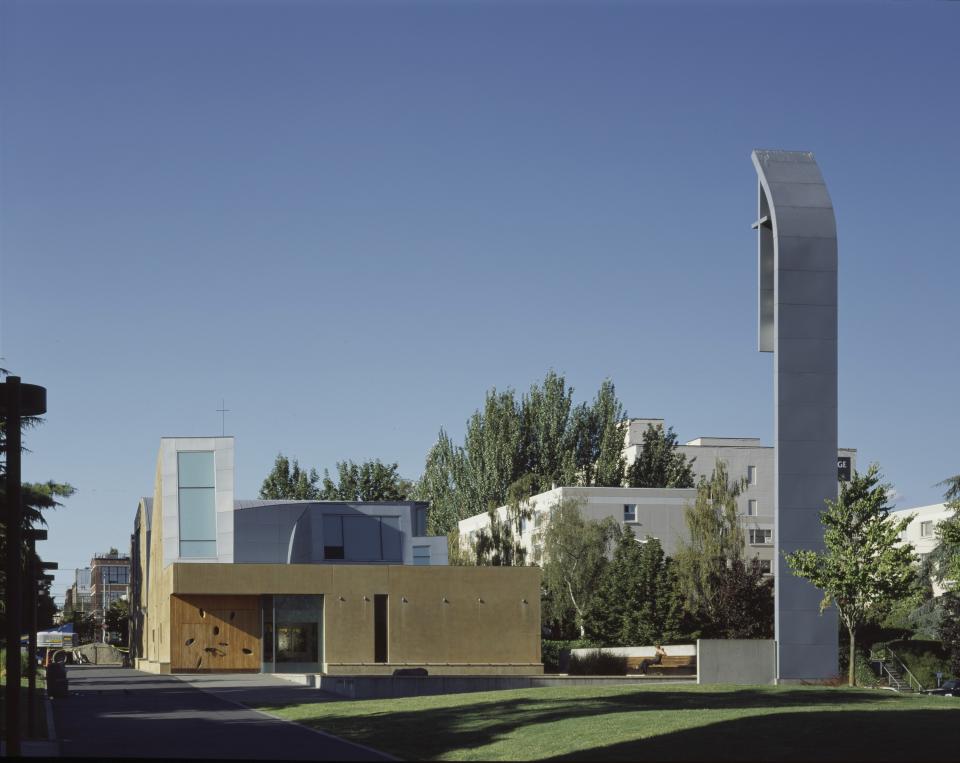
(523, 525)
(751, 508)
(764, 565)
(629, 512)
(760, 537)
(421, 554)
(198, 516)
(926, 529)
(362, 538)
(751, 475)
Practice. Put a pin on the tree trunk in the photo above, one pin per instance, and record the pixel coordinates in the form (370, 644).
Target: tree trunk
(853, 657)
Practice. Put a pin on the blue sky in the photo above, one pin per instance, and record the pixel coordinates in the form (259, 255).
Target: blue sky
(350, 220)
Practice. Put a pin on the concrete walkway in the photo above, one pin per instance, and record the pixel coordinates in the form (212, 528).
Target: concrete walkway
(121, 712)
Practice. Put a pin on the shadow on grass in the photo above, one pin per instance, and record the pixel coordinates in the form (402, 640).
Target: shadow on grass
(432, 732)
(852, 735)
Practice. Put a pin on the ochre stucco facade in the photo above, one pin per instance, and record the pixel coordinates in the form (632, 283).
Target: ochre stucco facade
(451, 620)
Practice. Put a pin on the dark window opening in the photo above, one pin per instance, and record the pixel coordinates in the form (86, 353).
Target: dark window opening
(380, 627)
(333, 552)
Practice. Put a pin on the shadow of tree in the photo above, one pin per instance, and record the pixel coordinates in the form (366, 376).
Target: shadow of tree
(432, 730)
(908, 735)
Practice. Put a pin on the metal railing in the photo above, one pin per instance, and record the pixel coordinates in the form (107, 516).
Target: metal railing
(884, 655)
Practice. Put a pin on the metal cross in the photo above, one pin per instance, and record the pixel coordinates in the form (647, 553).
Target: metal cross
(223, 411)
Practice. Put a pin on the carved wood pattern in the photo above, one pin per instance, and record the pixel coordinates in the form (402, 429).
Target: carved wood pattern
(215, 633)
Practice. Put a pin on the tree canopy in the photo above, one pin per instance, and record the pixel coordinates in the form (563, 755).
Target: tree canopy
(659, 463)
(542, 437)
(367, 481)
(288, 481)
(574, 555)
(637, 600)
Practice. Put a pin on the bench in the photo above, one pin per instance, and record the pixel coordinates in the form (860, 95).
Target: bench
(685, 664)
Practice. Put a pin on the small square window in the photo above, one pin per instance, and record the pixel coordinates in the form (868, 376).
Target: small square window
(421, 554)
(760, 537)
(926, 529)
(764, 565)
(629, 512)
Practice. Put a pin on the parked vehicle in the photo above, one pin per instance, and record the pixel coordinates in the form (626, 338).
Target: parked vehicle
(950, 688)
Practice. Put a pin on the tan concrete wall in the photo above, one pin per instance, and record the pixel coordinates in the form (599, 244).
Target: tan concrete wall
(460, 617)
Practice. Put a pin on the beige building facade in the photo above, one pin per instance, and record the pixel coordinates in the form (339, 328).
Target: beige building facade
(312, 587)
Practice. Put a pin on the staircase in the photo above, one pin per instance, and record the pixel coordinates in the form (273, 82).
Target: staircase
(899, 678)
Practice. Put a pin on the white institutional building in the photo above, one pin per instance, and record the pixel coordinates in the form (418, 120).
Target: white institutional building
(922, 531)
(659, 511)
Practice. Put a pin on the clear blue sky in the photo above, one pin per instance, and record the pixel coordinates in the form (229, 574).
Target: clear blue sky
(350, 220)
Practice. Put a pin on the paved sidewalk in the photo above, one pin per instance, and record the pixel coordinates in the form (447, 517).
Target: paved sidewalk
(121, 712)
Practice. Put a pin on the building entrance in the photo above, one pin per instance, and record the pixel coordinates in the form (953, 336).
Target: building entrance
(292, 634)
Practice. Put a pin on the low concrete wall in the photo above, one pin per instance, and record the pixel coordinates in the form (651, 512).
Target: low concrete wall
(99, 654)
(736, 661)
(674, 650)
(434, 669)
(386, 687)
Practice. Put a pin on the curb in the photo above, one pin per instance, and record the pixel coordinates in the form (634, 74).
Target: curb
(384, 755)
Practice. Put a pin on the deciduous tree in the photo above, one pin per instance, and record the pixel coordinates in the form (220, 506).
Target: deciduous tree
(864, 567)
(368, 481)
(575, 551)
(290, 482)
(659, 463)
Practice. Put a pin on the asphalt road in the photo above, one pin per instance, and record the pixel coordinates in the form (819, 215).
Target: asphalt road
(121, 712)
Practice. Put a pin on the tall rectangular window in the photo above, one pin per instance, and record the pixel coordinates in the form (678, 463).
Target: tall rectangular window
(380, 627)
(926, 529)
(751, 508)
(752, 475)
(629, 512)
(198, 515)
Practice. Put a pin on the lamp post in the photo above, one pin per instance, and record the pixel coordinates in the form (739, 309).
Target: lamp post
(18, 400)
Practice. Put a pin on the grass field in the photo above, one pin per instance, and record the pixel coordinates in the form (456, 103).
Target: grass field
(650, 723)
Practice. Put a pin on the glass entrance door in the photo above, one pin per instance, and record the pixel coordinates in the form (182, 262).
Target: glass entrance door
(292, 634)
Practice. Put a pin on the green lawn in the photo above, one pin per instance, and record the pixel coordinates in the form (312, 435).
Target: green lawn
(650, 723)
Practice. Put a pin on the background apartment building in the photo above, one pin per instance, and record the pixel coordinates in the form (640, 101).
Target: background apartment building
(109, 581)
(659, 511)
(79, 597)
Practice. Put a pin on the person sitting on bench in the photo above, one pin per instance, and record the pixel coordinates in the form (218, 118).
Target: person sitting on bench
(658, 655)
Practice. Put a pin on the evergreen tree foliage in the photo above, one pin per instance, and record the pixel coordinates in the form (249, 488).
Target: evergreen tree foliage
(369, 481)
(637, 601)
(945, 557)
(864, 568)
(949, 628)
(659, 463)
(37, 497)
(542, 434)
(290, 482)
(574, 556)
